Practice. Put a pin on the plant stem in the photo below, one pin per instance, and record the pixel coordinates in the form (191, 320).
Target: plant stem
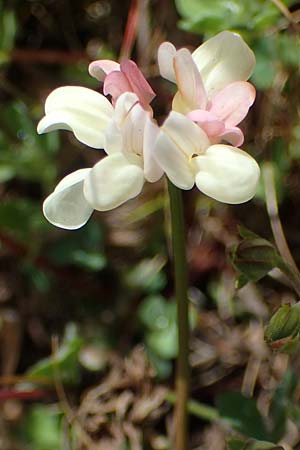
(204, 412)
(181, 285)
(277, 229)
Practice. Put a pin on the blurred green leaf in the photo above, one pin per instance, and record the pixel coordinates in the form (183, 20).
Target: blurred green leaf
(240, 444)
(242, 414)
(21, 216)
(8, 27)
(218, 15)
(147, 275)
(65, 365)
(42, 428)
(159, 317)
(83, 248)
(281, 403)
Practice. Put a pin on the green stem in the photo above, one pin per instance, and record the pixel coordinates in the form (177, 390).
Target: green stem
(196, 408)
(181, 285)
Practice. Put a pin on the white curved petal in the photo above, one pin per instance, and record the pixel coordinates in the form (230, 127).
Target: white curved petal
(165, 56)
(81, 110)
(188, 136)
(113, 139)
(223, 59)
(189, 80)
(102, 67)
(227, 174)
(67, 207)
(152, 171)
(123, 105)
(112, 181)
(133, 130)
(173, 161)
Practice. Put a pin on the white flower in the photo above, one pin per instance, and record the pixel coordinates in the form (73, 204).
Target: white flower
(225, 173)
(211, 84)
(127, 138)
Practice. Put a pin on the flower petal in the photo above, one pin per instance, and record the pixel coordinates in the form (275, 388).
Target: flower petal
(133, 134)
(223, 59)
(173, 161)
(227, 174)
(115, 84)
(112, 181)
(67, 207)
(207, 121)
(123, 105)
(232, 103)
(189, 81)
(152, 171)
(188, 136)
(113, 139)
(79, 109)
(165, 56)
(233, 136)
(137, 81)
(102, 67)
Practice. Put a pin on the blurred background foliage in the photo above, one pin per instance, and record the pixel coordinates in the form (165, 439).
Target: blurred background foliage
(87, 318)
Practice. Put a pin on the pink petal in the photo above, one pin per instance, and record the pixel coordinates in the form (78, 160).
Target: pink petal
(232, 103)
(137, 81)
(189, 81)
(98, 69)
(233, 136)
(115, 84)
(207, 121)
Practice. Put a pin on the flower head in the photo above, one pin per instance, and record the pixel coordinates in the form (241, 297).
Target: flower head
(212, 87)
(213, 97)
(223, 172)
(116, 178)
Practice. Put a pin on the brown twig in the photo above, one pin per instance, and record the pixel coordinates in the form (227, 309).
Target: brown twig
(130, 30)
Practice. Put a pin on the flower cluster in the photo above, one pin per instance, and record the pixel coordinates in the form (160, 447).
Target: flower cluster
(198, 143)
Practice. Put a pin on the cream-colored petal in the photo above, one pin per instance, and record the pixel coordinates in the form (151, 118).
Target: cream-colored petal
(67, 207)
(188, 136)
(223, 59)
(102, 67)
(173, 161)
(152, 171)
(123, 105)
(227, 174)
(81, 110)
(112, 181)
(189, 81)
(133, 134)
(113, 139)
(165, 56)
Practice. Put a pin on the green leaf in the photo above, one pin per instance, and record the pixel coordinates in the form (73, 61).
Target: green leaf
(281, 404)
(240, 444)
(65, 364)
(242, 414)
(148, 275)
(42, 428)
(218, 15)
(83, 248)
(8, 30)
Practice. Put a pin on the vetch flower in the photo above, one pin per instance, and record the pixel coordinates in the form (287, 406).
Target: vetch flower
(120, 78)
(128, 140)
(223, 172)
(81, 110)
(212, 87)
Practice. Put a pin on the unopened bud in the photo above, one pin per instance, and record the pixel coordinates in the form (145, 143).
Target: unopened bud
(284, 327)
